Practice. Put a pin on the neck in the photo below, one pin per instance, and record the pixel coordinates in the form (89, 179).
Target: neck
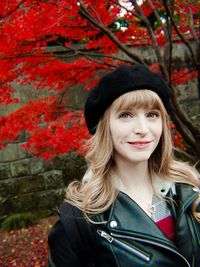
(135, 181)
(133, 175)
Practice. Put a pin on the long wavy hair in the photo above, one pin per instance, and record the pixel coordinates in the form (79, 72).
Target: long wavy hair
(96, 194)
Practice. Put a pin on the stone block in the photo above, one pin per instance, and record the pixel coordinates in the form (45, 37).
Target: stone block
(9, 153)
(30, 184)
(73, 166)
(5, 171)
(20, 168)
(8, 188)
(49, 199)
(5, 208)
(52, 179)
(23, 203)
(36, 165)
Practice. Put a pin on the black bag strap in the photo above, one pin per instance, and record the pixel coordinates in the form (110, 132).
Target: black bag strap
(80, 232)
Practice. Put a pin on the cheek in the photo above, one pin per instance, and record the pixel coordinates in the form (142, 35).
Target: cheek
(158, 130)
(114, 129)
(118, 132)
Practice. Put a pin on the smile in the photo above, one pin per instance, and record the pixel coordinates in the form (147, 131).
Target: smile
(139, 144)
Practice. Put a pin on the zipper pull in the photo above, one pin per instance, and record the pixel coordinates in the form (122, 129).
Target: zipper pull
(103, 234)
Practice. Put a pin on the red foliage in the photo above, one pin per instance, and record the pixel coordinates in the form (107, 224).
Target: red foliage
(26, 247)
(183, 76)
(177, 138)
(27, 30)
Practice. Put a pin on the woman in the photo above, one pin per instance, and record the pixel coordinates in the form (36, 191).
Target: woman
(136, 205)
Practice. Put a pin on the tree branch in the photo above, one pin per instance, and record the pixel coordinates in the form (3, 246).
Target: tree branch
(127, 10)
(13, 10)
(84, 13)
(183, 39)
(180, 127)
(90, 54)
(185, 154)
(168, 38)
(182, 115)
(153, 40)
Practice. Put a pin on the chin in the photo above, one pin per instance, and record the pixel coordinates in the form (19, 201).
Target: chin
(138, 158)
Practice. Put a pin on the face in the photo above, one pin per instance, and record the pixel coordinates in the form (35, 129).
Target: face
(135, 133)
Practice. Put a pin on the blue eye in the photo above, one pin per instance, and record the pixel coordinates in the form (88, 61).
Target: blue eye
(125, 115)
(153, 114)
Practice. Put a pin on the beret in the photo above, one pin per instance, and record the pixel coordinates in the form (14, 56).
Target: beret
(120, 81)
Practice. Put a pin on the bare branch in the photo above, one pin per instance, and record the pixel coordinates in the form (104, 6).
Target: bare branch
(90, 54)
(84, 13)
(182, 115)
(153, 40)
(180, 127)
(185, 154)
(183, 39)
(192, 25)
(157, 15)
(127, 10)
(168, 37)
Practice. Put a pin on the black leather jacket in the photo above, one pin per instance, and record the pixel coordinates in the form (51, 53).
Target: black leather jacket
(129, 238)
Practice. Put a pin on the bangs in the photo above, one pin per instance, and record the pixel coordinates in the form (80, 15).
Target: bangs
(145, 98)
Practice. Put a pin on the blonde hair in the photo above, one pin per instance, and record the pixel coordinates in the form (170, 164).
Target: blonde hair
(98, 194)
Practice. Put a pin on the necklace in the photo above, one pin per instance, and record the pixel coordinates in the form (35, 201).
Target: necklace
(150, 207)
(156, 201)
(147, 205)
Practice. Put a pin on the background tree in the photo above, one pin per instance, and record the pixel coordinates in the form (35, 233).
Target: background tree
(98, 35)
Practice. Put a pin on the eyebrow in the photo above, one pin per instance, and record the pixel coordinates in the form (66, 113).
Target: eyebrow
(132, 109)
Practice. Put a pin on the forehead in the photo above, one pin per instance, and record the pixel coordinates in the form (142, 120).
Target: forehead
(144, 99)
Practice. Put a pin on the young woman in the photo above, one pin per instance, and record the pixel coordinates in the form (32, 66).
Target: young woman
(136, 205)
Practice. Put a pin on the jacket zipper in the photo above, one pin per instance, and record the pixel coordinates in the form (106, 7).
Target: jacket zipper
(151, 242)
(142, 255)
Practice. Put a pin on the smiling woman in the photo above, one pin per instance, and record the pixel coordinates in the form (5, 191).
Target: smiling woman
(135, 131)
(136, 205)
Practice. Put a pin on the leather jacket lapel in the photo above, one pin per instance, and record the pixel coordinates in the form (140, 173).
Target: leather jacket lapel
(139, 224)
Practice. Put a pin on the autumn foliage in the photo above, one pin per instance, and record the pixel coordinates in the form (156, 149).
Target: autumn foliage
(93, 37)
(27, 246)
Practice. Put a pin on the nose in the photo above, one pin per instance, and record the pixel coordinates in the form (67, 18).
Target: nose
(140, 126)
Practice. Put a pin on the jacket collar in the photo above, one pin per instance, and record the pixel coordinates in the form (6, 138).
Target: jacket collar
(160, 185)
(185, 194)
(126, 217)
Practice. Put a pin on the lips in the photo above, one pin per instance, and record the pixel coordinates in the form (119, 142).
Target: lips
(139, 144)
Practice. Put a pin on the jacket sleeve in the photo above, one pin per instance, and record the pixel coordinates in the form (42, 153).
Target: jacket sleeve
(62, 253)
(71, 240)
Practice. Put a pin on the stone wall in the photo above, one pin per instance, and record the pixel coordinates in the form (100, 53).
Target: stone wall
(33, 184)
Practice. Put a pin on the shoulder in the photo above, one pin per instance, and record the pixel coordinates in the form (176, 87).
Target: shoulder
(69, 212)
(187, 194)
(74, 223)
(73, 219)
(66, 223)
(187, 189)
(71, 237)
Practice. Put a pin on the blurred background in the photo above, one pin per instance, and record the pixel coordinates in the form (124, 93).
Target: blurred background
(51, 54)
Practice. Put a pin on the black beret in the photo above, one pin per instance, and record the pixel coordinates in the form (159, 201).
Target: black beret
(120, 81)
